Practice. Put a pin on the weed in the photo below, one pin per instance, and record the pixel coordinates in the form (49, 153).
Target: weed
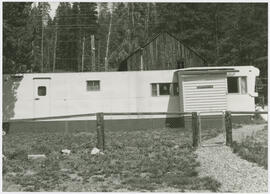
(19, 154)
(206, 183)
(210, 133)
(41, 148)
(253, 148)
(139, 183)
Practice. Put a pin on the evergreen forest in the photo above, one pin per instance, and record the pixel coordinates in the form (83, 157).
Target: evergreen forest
(89, 36)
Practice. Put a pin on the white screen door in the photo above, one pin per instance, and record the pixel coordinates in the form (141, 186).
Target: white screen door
(42, 97)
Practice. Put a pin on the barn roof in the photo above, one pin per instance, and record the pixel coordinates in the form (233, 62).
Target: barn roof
(155, 37)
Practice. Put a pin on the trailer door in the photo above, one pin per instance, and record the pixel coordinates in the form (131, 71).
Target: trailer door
(42, 98)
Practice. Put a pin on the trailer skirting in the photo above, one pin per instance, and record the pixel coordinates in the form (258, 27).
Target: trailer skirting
(128, 124)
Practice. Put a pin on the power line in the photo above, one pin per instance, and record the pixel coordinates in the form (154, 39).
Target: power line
(67, 41)
(74, 25)
(78, 16)
(89, 26)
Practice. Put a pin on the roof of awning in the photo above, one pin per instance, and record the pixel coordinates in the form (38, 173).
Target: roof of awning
(199, 71)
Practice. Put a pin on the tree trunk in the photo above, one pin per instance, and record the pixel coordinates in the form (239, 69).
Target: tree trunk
(54, 53)
(93, 65)
(83, 52)
(132, 16)
(98, 57)
(42, 31)
(216, 34)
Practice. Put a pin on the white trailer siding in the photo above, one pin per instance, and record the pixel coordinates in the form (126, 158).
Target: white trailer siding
(122, 92)
(217, 98)
(205, 93)
(244, 102)
(67, 94)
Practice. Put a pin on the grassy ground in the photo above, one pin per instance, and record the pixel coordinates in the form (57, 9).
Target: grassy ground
(140, 160)
(254, 148)
(211, 133)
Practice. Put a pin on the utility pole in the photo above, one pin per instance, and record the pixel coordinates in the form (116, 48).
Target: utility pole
(108, 43)
(93, 68)
(83, 52)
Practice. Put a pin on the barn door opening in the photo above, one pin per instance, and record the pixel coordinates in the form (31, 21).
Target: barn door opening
(41, 97)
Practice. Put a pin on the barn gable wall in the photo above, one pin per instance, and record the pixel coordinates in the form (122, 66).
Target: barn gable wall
(163, 52)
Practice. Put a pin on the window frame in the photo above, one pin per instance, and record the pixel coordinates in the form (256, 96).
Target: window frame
(88, 87)
(177, 89)
(240, 85)
(154, 92)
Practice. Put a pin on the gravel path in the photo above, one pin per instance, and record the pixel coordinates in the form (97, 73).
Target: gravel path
(234, 173)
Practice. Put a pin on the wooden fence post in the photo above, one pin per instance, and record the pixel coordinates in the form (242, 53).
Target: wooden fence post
(228, 126)
(196, 129)
(199, 125)
(100, 131)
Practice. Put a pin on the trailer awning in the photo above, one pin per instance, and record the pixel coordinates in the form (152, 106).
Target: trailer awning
(197, 71)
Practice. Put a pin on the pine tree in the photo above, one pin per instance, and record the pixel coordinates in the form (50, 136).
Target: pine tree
(88, 15)
(224, 33)
(63, 54)
(39, 17)
(77, 33)
(16, 38)
(104, 20)
(75, 24)
(134, 24)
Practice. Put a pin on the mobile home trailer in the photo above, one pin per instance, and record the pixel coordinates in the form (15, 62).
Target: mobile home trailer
(208, 90)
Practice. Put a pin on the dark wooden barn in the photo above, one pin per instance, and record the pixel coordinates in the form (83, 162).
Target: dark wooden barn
(164, 51)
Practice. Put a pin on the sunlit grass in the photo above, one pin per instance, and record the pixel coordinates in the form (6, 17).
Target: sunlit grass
(254, 148)
(134, 160)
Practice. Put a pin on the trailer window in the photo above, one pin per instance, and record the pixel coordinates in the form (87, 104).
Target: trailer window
(163, 89)
(237, 85)
(93, 85)
(42, 91)
(232, 85)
